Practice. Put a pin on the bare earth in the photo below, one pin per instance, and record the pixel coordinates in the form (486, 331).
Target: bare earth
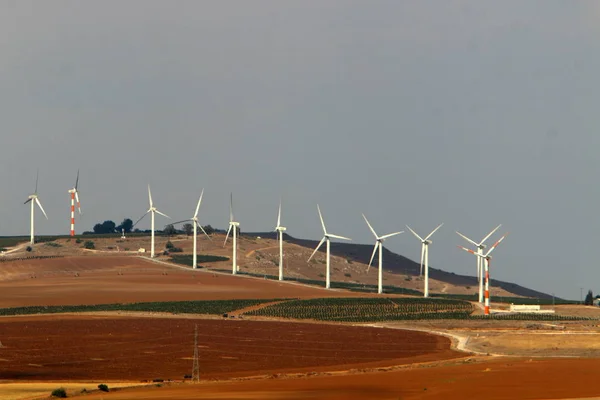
(276, 359)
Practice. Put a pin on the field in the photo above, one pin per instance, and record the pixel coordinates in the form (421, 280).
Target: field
(114, 317)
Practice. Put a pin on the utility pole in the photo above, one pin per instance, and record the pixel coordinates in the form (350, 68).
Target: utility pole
(196, 366)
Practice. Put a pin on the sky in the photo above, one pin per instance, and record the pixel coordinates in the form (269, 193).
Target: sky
(468, 113)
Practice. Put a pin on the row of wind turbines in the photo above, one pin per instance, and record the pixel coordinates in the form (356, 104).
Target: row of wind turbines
(483, 260)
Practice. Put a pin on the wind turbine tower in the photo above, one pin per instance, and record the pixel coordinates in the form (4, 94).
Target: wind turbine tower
(425, 256)
(480, 247)
(379, 246)
(196, 224)
(33, 199)
(152, 210)
(74, 196)
(326, 238)
(233, 225)
(486, 263)
(280, 229)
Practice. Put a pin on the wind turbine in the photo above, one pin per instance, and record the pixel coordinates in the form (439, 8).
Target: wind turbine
(486, 263)
(326, 237)
(152, 210)
(196, 224)
(480, 246)
(74, 196)
(235, 225)
(379, 245)
(280, 229)
(425, 255)
(33, 198)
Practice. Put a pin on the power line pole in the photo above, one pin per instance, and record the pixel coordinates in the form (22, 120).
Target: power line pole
(196, 367)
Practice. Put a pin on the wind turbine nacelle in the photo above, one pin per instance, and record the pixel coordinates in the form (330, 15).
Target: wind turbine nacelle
(234, 223)
(427, 242)
(281, 228)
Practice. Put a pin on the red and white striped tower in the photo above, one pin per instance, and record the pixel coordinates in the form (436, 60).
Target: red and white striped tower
(74, 196)
(72, 191)
(486, 307)
(486, 264)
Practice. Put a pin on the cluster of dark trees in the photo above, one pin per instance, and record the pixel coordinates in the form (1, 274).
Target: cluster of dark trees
(109, 226)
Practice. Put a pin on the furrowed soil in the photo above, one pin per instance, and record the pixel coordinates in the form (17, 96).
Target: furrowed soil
(498, 379)
(72, 348)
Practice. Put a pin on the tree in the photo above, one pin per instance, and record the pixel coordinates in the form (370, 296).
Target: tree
(589, 298)
(126, 225)
(105, 227)
(169, 230)
(188, 229)
(208, 229)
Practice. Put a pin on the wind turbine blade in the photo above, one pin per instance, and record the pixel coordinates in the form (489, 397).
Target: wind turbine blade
(433, 231)
(78, 205)
(199, 202)
(467, 239)
(414, 233)
(422, 258)
(337, 237)
(490, 234)
(141, 218)
(37, 175)
(469, 251)
(149, 196)
(164, 215)
(279, 215)
(496, 244)
(389, 235)
(316, 249)
(40, 206)
(370, 227)
(184, 220)
(373, 255)
(27, 201)
(202, 229)
(77, 180)
(227, 236)
(230, 207)
(321, 218)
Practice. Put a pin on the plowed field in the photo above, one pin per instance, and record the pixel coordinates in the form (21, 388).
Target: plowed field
(125, 348)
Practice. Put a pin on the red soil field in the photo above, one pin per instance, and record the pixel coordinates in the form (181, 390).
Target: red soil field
(124, 348)
(499, 379)
(99, 282)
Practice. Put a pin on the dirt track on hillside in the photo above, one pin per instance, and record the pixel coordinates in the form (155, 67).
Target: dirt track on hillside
(96, 280)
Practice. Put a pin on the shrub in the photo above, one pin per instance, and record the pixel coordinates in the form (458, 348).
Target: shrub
(103, 387)
(28, 248)
(60, 392)
(169, 245)
(347, 275)
(176, 250)
(53, 244)
(89, 245)
(78, 240)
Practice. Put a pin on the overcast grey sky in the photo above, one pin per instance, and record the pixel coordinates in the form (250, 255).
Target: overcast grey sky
(414, 112)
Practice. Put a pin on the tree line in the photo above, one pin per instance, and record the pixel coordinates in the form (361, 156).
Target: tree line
(126, 226)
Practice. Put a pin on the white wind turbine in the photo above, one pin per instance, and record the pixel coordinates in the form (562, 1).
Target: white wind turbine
(480, 246)
(280, 229)
(379, 245)
(486, 263)
(74, 196)
(152, 210)
(196, 224)
(233, 225)
(425, 256)
(326, 237)
(33, 198)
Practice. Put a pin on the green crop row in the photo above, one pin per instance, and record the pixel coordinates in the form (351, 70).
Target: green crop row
(8, 259)
(367, 309)
(214, 307)
(187, 259)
